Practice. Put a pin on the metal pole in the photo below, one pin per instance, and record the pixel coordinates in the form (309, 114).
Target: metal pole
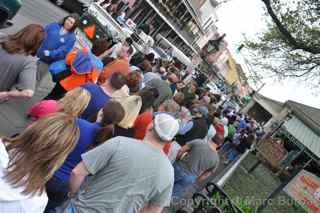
(137, 14)
(254, 166)
(167, 34)
(136, 9)
(146, 17)
(158, 29)
(229, 173)
(260, 88)
(175, 9)
(181, 19)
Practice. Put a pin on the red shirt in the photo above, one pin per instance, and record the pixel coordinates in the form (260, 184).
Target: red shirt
(166, 148)
(141, 124)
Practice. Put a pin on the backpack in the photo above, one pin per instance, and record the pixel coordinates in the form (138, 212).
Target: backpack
(85, 68)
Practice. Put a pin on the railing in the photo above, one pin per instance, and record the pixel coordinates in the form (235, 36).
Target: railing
(230, 172)
(213, 200)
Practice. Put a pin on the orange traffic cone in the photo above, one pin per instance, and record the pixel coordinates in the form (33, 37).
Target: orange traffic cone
(90, 31)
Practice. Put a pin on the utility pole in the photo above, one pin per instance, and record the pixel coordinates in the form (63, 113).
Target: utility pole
(260, 88)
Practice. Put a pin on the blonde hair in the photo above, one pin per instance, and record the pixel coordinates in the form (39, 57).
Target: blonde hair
(74, 102)
(39, 150)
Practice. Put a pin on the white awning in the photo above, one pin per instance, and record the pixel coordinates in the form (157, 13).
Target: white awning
(304, 134)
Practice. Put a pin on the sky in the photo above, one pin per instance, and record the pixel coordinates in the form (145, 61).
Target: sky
(238, 17)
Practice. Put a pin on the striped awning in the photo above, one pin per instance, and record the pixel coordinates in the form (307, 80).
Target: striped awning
(304, 134)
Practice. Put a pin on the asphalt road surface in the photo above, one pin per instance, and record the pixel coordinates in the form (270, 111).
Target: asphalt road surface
(35, 11)
(13, 117)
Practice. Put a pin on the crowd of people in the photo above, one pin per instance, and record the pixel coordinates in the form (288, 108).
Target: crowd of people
(119, 132)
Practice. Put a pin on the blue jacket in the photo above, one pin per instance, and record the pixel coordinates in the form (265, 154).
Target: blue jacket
(58, 45)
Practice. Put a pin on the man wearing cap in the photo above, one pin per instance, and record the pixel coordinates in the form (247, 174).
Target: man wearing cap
(197, 128)
(125, 174)
(164, 89)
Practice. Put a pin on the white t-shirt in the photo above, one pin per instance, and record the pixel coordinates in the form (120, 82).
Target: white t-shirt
(211, 133)
(115, 49)
(11, 199)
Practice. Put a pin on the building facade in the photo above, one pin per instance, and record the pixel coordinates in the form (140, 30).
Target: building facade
(176, 20)
(209, 19)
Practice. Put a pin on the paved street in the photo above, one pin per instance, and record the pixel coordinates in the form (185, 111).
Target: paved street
(13, 118)
(36, 11)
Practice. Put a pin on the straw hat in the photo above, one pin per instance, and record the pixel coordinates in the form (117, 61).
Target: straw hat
(120, 94)
(131, 106)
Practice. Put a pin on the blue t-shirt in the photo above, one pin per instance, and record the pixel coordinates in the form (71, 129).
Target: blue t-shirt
(173, 88)
(97, 101)
(242, 124)
(58, 45)
(87, 135)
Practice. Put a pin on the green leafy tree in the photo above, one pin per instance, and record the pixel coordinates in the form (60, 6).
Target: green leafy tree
(290, 47)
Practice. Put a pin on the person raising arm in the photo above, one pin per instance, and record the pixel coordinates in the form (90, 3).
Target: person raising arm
(18, 64)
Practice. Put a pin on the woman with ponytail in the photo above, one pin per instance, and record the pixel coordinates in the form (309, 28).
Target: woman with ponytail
(91, 135)
(148, 97)
(112, 114)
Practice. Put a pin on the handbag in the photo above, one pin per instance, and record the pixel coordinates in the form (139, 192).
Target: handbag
(59, 70)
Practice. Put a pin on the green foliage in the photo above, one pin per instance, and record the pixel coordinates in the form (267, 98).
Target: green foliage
(222, 204)
(243, 205)
(290, 47)
(298, 208)
(238, 50)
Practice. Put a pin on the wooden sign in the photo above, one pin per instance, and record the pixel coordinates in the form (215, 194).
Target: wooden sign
(273, 151)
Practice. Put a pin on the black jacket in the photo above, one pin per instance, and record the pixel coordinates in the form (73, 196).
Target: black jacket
(199, 130)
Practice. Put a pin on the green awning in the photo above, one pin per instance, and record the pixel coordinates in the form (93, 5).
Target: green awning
(304, 134)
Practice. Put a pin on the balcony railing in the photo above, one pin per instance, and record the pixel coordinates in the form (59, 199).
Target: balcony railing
(174, 21)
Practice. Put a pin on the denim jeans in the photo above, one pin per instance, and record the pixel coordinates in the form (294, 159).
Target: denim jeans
(233, 155)
(226, 147)
(182, 180)
(57, 191)
(69, 209)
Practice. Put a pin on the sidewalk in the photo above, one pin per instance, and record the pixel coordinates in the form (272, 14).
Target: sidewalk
(13, 113)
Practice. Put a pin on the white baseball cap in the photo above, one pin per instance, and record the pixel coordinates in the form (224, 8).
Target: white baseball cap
(166, 126)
